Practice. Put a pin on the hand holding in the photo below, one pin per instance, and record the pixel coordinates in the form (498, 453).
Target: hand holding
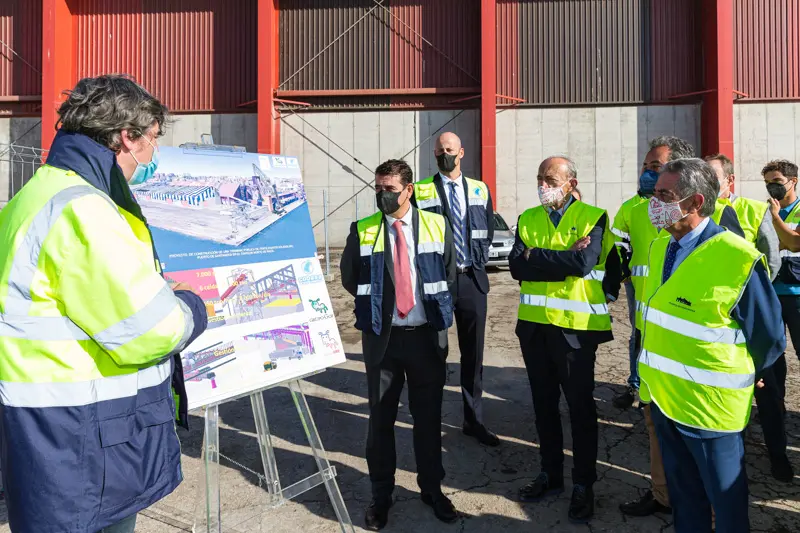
(774, 208)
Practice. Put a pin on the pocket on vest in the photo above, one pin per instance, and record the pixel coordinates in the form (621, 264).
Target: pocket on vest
(136, 449)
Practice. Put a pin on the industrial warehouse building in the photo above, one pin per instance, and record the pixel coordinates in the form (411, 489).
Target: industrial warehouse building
(345, 84)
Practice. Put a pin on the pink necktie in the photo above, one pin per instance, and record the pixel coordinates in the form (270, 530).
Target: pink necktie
(404, 293)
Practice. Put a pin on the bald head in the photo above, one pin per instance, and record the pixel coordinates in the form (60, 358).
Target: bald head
(448, 152)
(557, 172)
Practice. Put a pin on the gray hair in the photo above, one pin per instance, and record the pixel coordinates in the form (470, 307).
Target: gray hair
(695, 176)
(102, 107)
(678, 148)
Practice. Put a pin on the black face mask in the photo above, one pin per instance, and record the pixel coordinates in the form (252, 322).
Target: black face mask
(776, 190)
(446, 162)
(388, 201)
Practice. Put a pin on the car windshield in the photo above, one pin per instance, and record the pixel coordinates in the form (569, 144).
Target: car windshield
(499, 223)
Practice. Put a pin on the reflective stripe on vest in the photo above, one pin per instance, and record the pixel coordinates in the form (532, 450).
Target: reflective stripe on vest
(694, 362)
(575, 303)
(78, 393)
(642, 233)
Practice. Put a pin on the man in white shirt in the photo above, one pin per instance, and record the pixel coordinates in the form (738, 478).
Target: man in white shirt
(399, 264)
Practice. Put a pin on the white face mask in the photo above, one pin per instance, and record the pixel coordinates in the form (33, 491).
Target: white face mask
(662, 214)
(727, 188)
(550, 196)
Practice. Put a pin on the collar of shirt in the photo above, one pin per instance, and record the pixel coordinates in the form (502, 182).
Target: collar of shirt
(689, 241)
(457, 180)
(563, 208)
(406, 219)
(784, 212)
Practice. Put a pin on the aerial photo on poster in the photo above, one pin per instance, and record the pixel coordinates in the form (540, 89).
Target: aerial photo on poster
(236, 228)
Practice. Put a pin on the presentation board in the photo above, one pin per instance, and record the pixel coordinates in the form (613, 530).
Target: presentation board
(235, 226)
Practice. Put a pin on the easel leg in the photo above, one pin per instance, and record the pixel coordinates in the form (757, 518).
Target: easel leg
(320, 456)
(265, 446)
(211, 464)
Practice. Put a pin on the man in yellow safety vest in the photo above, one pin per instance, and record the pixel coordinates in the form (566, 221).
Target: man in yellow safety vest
(89, 329)
(710, 326)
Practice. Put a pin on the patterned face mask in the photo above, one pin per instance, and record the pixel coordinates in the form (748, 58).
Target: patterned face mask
(662, 214)
(550, 196)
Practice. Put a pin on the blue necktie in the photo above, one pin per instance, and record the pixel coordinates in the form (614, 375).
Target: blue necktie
(555, 217)
(458, 224)
(669, 262)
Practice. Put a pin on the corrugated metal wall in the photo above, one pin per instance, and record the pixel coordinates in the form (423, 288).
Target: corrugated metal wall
(196, 55)
(767, 62)
(20, 76)
(596, 51)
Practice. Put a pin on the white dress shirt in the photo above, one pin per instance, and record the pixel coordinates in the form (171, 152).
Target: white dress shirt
(417, 316)
(462, 203)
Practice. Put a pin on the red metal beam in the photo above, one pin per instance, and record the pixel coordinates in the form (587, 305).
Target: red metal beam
(377, 92)
(58, 62)
(488, 123)
(717, 109)
(269, 125)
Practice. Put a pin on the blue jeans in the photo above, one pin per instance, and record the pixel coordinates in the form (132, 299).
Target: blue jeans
(701, 473)
(126, 525)
(633, 352)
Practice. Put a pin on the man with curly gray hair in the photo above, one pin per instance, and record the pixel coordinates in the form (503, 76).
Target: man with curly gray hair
(90, 331)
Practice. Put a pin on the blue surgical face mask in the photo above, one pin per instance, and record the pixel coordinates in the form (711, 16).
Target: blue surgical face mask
(144, 171)
(647, 182)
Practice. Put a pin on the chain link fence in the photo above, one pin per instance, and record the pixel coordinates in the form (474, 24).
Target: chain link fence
(18, 163)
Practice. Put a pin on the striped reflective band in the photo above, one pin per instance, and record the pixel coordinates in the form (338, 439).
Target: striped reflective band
(364, 290)
(435, 287)
(79, 393)
(477, 201)
(700, 376)
(138, 324)
(26, 257)
(787, 253)
(427, 204)
(621, 234)
(623, 245)
(480, 234)
(430, 247)
(563, 305)
(692, 330)
(366, 250)
(595, 275)
(642, 270)
(41, 328)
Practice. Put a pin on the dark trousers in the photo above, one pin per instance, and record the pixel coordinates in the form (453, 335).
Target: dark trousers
(770, 398)
(702, 473)
(554, 365)
(470, 315)
(410, 354)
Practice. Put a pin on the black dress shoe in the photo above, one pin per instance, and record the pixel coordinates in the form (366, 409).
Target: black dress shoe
(644, 506)
(781, 469)
(484, 436)
(377, 514)
(624, 400)
(581, 506)
(541, 487)
(442, 507)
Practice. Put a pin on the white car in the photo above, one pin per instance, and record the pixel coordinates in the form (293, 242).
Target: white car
(502, 243)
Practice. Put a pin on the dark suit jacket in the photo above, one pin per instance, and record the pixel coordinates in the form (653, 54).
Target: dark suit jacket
(555, 265)
(374, 346)
(479, 271)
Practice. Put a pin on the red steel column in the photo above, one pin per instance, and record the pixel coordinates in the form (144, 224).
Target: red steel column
(58, 66)
(718, 46)
(488, 122)
(269, 126)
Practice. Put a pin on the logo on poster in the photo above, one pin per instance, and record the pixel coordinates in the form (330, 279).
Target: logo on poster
(279, 162)
(292, 162)
(309, 273)
(318, 306)
(329, 341)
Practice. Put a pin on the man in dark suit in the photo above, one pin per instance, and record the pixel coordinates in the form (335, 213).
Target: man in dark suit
(564, 256)
(467, 205)
(399, 265)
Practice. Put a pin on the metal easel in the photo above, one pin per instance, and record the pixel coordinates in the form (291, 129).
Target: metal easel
(326, 473)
